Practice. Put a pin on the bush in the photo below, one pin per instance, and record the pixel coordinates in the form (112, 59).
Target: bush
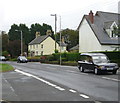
(33, 59)
(13, 59)
(66, 56)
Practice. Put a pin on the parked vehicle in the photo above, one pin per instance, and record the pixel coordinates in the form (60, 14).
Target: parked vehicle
(22, 59)
(96, 62)
(2, 58)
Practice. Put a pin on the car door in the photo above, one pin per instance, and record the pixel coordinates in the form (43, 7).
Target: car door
(89, 63)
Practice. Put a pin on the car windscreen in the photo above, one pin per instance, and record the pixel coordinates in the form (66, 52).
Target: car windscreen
(22, 57)
(100, 59)
(2, 57)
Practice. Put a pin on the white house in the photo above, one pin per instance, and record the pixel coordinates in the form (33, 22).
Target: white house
(96, 32)
(44, 45)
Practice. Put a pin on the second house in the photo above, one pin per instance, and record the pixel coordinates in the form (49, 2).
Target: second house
(44, 45)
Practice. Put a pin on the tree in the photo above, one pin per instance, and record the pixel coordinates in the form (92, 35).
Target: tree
(13, 35)
(40, 28)
(14, 48)
(28, 34)
(5, 41)
(70, 36)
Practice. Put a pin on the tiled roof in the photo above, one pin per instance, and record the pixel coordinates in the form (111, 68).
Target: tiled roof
(38, 40)
(102, 19)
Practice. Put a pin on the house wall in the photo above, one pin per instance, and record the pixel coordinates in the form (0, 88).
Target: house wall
(45, 48)
(87, 40)
(49, 46)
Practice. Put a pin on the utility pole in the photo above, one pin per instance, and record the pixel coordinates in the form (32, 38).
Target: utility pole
(21, 41)
(55, 15)
(60, 42)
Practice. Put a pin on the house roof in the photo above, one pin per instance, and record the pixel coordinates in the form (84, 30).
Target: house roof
(63, 44)
(75, 47)
(103, 20)
(38, 40)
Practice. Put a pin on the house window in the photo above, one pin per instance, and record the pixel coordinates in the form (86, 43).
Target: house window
(113, 35)
(41, 52)
(41, 45)
(33, 46)
(36, 45)
(36, 52)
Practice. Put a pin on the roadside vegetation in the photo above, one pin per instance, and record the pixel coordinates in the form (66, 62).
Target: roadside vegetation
(71, 58)
(5, 67)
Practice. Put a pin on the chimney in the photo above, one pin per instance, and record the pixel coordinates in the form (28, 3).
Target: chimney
(37, 34)
(48, 32)
(91, 17)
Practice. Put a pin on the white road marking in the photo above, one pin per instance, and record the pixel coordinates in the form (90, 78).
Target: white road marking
(84, 96)
(44, 81)
(73, 91)
(12, 89)
(71, 71)
(51, 68)
(59, 88)
(84, 73)
(110, 79)
(23, 72)
(60, 65)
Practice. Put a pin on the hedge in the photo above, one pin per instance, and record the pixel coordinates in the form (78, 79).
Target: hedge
(66, 56)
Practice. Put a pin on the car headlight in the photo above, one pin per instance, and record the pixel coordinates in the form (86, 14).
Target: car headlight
(100, 67)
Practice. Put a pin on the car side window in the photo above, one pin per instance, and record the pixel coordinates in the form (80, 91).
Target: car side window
(87, 59)
(82, 58)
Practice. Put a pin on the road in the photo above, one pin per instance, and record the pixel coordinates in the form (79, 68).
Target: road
(46, 82)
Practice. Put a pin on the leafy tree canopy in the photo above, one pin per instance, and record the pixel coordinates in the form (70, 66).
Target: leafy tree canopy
(71, 37)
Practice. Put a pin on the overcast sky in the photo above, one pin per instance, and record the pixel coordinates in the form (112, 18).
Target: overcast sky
(38, 11)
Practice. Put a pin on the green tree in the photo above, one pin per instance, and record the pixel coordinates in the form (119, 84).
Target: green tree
(5, 41)
(71, 37)
(13, 35)
(14, 48)
(40, 28)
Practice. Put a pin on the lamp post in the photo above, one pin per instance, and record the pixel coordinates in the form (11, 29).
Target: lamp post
(55, 15)
(21, 41)
(60, 42)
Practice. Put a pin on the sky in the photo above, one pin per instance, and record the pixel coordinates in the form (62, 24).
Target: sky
(38, 11)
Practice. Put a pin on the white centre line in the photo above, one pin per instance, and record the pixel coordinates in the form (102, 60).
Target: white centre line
(59, 88)
(71, 71)
(84, 96)
(73, 91)
(110, 79)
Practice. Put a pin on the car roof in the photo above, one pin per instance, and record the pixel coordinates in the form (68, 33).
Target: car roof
(93, 54)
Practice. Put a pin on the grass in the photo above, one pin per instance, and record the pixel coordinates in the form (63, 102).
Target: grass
(5, 67)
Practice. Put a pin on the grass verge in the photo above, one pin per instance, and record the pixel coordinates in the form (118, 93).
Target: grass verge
(5, 67)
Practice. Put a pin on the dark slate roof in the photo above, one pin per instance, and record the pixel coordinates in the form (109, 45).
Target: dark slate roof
(75, 47)
(38, 40)
(107, 25)
(63, 44)
(98, 27)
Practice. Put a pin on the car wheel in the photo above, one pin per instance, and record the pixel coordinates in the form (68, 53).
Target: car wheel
(96, 71)
(114, 72)
(81, 69)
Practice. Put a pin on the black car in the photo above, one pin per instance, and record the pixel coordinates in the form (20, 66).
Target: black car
(96, 62)
(22, 59)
